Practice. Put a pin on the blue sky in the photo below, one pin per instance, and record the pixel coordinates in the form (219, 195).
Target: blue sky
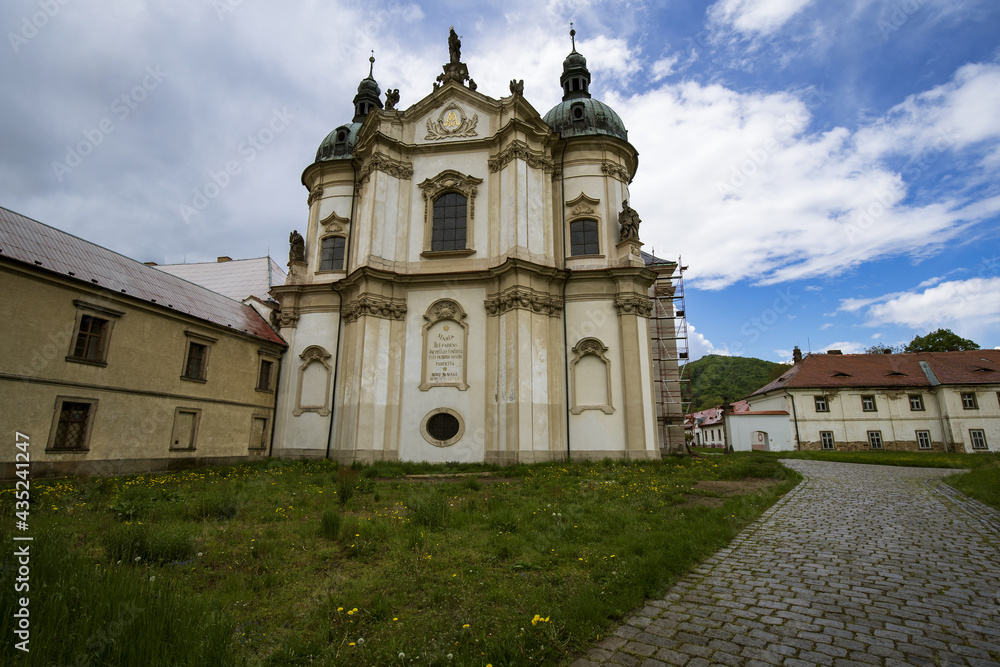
(826, 170)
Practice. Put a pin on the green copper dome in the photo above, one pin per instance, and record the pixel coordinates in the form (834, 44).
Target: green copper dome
(585, 116)
(579, 114)
(339, 144)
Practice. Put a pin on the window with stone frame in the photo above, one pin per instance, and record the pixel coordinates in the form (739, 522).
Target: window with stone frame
(583, 238)
(196, 355)
(449, 214)
(969, 401)
(875, 439)
(826, 438)
(821, 404)
(265, 375)
(331, 254)
(73, 420)
(916, 402)
(868, 404)
(92, 333)
(978, 438)
(923, 439)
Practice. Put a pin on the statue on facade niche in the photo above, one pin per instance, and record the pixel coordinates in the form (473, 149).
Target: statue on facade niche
(391, 98)
(629, 221)
(517, 87)
(296, 247)
(454, 47)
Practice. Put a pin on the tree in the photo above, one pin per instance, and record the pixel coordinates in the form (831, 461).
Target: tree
(884, 349)
(942, 340)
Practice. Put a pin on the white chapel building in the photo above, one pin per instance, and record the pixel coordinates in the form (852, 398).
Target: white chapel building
(468, 284)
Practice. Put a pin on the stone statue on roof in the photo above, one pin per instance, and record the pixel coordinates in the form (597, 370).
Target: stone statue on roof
(296, 247)
(391, 98)
(629, 221)
(454, 47)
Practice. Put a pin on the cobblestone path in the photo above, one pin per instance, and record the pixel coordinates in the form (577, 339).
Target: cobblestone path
(858, 565)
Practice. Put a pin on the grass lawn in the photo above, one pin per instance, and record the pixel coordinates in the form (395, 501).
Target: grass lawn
(288, 563)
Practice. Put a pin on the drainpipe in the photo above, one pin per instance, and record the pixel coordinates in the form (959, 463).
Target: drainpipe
(795, 418)
(340, 315)
(277, 389)
(562, 248)
(945, 422)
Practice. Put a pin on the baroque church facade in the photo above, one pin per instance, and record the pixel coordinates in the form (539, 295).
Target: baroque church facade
(469, 285)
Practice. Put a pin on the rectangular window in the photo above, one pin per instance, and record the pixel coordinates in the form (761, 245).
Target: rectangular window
(184, 435)
(969, 401)
(916, 402)
(331, 256)
(583, 238)
(875, 439)
(264, 378)
(978, 437)
(826, 437)
(258, 433)
(92, 333)
(72, 427)
(197, 362)
(90, 338)
(72, 423)
(450, 217)
(821, 404)
(923, 439)
(868, 404)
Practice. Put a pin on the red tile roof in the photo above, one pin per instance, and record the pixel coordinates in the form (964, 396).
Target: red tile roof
(920, 369)
(45, 248)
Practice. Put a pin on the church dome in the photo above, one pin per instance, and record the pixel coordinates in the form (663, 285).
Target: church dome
(579, 114)
(339, 144)
(586, 116)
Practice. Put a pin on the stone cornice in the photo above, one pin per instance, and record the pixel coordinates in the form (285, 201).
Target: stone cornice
(374, 306)
(380, 162)
(634, 304)
(518, 150)
(523, 298)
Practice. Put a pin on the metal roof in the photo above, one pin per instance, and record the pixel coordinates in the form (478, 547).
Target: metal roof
(593, 117)
(47, 249)
(237, 278)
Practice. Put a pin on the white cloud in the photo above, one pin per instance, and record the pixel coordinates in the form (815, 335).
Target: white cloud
(699, 345)
(742, 189)
(962, 305)
(930, 282)
(847, 347)
(665, 67)
(755, 16)
(828, 325)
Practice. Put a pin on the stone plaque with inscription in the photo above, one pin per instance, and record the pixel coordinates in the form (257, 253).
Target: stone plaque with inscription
(445, 340)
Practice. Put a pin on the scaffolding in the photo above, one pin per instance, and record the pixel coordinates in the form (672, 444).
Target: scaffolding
(669, 339)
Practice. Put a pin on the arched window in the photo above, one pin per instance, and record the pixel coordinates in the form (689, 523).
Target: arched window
(583, 238)
(450, 215)
(331, 254)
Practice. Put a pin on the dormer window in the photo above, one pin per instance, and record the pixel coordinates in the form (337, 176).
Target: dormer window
(577, 112)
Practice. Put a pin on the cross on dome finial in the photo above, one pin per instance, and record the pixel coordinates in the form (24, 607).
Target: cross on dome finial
(572, 34)
(371, 68)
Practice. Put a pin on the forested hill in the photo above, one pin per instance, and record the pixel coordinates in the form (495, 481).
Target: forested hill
(716, 379)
